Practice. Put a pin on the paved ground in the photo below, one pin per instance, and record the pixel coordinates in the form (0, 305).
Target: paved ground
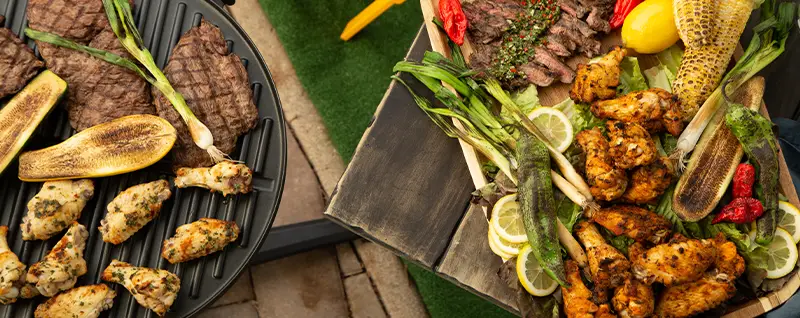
(353, 279)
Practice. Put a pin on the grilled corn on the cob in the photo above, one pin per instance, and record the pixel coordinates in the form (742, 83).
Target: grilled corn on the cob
(702, 67)
(695, 21)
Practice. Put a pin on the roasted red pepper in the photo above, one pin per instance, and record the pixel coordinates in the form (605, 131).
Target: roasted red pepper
(743, 181)
(453, 19)
(621, 10)
(740, 211)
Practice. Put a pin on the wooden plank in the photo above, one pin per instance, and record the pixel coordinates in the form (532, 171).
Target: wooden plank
(407, 186)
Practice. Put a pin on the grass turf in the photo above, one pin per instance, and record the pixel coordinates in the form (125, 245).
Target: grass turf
(346, 81)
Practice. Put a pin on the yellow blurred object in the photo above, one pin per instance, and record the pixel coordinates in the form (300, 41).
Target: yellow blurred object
(650, 27)
(366, 16)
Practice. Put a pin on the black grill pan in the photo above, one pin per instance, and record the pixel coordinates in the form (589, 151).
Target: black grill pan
(161, 23)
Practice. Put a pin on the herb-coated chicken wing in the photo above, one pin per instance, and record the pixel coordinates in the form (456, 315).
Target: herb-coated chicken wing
(12, 271)
(606, 181)
(577, 298)
(648, 182)
(59, 270)
(604, 311)
(155, 289)
(728, 261)
(54, 208)
(630, 145)
(597, 81)
(632, 221)
(132, 209)
(633, 299)
(79, 302)
(678, 261)
(643, 107)
(198, 239)
(226, 177)
(608, 266)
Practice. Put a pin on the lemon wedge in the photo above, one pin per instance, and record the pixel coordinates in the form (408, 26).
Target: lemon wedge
(790, 221)
(554, 125)
(507, 220)
(781, 254)
(532, 276)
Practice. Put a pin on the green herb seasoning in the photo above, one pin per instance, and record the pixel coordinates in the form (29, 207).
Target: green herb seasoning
(522, 35)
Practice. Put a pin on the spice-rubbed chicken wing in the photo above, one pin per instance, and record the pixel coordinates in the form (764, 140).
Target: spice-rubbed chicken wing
(79, 302)
(132, 209)
(633, 299)
(728, 261)
(154, 289)
(59, 269)
(630, 145)
(604, 311)
(608, 266)
(55, 207)
(226, 177)
(632, 221)
(648, 182)
(198, 239)
(597, 81)
(643, 107)
(678, 261)
(577, 298)
(12, 271)
(606, 182)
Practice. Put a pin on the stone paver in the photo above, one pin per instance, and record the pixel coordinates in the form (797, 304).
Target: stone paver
(300, 113)
(302, 198)
(390, 277)
(240, 310)
(348, 261)
(241, 291)
(361, 297)
(303, 285)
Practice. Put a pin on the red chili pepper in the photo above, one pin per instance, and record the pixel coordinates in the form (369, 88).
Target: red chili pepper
(454, 20)
(740, 211)
(743, 181)
(621, 10)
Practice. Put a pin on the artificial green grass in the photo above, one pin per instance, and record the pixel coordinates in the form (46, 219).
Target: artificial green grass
(346, 81)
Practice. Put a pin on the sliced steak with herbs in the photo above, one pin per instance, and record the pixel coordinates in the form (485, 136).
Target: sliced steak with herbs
(18, 64)
(215, 85)
(98, 91)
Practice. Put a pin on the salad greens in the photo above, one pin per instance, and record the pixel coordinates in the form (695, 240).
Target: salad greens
(630, 76)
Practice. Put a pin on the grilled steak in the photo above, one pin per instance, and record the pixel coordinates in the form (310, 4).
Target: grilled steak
(491, 17)
(573, 8)
(98, 91)
(18, 64)
(216, 88)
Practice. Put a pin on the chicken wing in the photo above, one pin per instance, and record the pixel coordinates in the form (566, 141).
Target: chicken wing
(608, 266)
(226, 177)
(12, 271)
(630, 145)
(79, 302)
(633, 299)
(154, 289)
(55, 207)
(198, 239)
(604, 311)
(132, 209)
(694, 297)
(644, 107)
(577, 298)
(59, 269)
(728, 262)
(675, 262)
(648, 182)
(637, 223)
(606, 182)
(598, 81)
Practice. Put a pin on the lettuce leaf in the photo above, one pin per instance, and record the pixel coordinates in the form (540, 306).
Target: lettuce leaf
(663, 74)
(579, 115)
(630, 76)
(568, 212)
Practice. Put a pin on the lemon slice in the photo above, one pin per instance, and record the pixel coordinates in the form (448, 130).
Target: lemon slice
(495, 249)
(507, 220)
(790, 221)
(781, 254)
(532, 276)
(554, 125)
(507, 247)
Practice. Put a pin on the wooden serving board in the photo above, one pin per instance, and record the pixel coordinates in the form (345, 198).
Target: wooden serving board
(469, 245)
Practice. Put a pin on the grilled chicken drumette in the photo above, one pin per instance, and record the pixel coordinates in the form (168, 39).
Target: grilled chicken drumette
(12, 271)
(608, 266)
(654, 108)
(60, 269)
(55, 207)
(226, 177)
(607, 182)
(648, 182)
(132, 209)
(79, 302)
(633, 299)
(630, 145)
(598, 81)
(198, 239)
(678, 261)
(634, 222)
(578, 301)
(154, 289)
